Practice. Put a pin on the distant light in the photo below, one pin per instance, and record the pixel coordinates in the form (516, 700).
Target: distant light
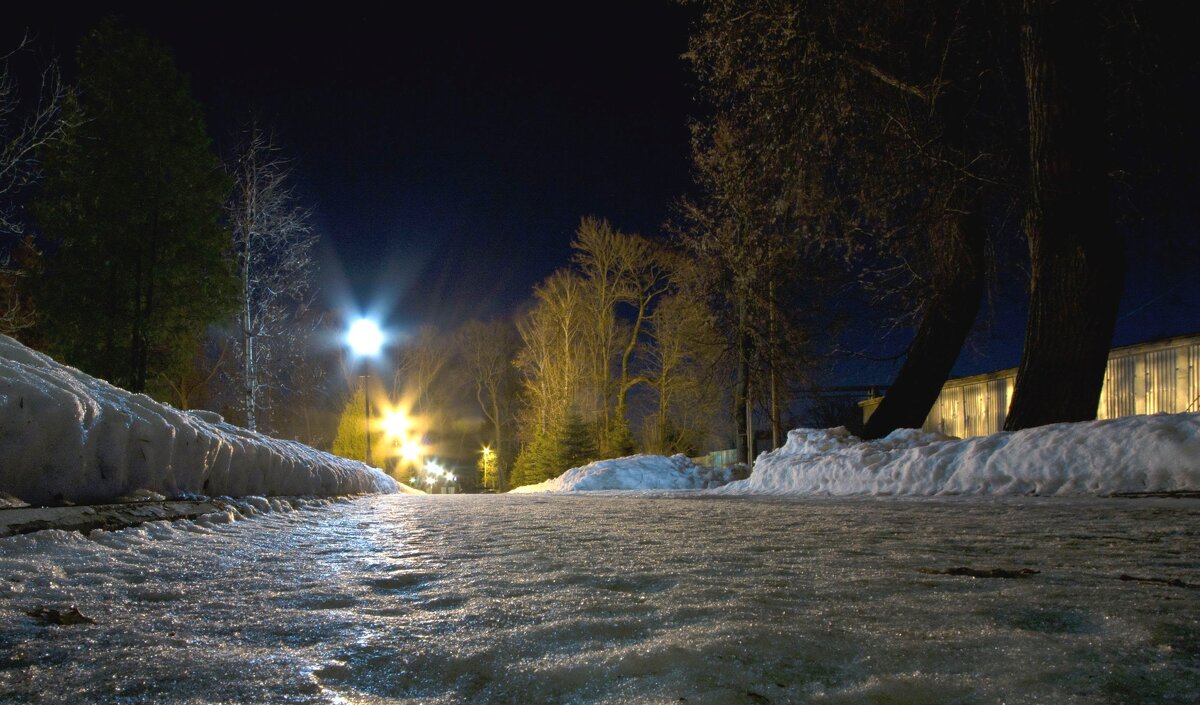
(364, 337)
(411, 451)
(395, 423)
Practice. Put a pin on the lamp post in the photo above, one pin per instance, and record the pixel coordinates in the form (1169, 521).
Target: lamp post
(365, 340)
(367, 412)
(488, 467)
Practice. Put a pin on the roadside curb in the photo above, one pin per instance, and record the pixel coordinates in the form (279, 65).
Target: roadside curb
(86, 518)
(109, 517)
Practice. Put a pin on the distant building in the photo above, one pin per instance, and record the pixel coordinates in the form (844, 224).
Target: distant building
(1147, 378)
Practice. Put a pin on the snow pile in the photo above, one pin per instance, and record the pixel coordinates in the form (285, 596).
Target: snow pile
(636, 472)
(1159, 453)
(67, 436)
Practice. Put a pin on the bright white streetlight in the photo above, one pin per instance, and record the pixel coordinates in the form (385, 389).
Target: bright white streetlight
(365, 338)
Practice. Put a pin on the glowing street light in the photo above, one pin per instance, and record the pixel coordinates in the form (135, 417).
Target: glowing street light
(365, 340)
(411, 451)
(487, 467)
(395, 423)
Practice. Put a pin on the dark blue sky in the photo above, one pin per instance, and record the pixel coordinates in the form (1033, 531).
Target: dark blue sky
(449, 154)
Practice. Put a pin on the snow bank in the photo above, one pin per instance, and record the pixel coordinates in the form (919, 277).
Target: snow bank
(636, 472)
(1159, 453)
(67, 436)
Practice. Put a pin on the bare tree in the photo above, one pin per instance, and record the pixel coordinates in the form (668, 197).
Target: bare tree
(618, 270)
(23, 132)
(682, 370)
(551, 358)
(598, 258)
(1076, 252)
(16, 310)
(867, 129)
(487, 350)
(273, 242)
(420, 363)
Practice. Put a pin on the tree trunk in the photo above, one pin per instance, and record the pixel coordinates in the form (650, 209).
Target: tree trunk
(1077, 258)
(248, 373)
(773, 344)
(501, 476)
(136, 334)
(741, 396)
(749, 425)
(776, 411)
(626, 356)
(957, 279)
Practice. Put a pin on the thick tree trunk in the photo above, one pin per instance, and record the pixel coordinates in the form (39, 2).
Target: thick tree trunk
(957, 289)
(1077, 257)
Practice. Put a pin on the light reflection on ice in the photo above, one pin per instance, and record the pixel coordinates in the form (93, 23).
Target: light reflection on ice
(617, 599)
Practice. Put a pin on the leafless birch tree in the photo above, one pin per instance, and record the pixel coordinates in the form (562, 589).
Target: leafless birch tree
(273, 243)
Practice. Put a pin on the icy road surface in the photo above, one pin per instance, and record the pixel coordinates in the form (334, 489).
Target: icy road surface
(567, 599)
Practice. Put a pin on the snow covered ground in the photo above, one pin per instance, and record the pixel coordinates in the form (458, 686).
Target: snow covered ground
(618, 599)
(67, 436)
(1134, 454)
(1131, 455)
(636, 472)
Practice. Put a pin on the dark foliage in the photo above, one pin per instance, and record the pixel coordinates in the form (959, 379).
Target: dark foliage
(136, 264)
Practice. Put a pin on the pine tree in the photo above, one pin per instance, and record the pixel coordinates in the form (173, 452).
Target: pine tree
(351, 439)
(539, 460)
(575, 445)
(136, 261)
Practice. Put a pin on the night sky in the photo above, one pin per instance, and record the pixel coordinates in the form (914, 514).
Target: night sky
(449, 154)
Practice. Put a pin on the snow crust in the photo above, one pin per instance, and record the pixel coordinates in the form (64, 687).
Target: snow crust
(1134, 454)
(635, 472)
(65, 435)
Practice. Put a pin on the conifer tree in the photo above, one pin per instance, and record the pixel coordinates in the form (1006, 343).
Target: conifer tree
(136, 261)
(351, 439)
(536, 461)
(575, 444)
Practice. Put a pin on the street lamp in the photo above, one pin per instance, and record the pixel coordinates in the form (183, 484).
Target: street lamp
(487, 467)
(365, 337)
(365, 340)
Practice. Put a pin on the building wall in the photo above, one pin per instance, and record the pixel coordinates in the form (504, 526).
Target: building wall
(1149, 378)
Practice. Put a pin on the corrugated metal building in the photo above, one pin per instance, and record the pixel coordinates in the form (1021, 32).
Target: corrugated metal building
(1147, 378)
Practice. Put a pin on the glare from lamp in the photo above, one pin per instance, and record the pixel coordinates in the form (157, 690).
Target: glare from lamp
(365, 338)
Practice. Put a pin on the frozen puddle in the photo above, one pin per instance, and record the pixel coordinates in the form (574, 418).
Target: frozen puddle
(566, 599)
